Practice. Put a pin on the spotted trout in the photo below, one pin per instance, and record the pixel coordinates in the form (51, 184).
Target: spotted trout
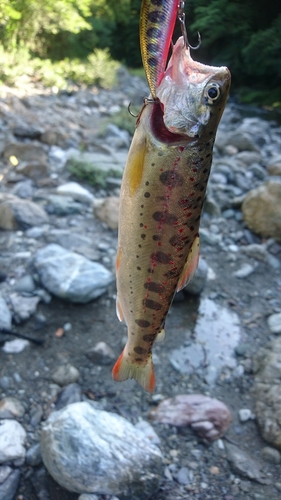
(162, 195)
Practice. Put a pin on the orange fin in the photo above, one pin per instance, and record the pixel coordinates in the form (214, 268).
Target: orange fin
(142, 373)
(190, 265)
(119, 310)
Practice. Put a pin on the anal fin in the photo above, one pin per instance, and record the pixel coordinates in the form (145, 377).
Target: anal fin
(119, 312)
(190, 265)
(161, 336)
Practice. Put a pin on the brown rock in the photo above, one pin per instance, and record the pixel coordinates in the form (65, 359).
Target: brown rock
(25, 152)
(107, 210)
(262, 209)
(21, 214)
(274, 168)
(32, 169)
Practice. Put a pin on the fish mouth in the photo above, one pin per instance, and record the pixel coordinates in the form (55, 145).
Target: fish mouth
(159, 129)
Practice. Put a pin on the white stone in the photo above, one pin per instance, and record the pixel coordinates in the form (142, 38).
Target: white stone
(15, 346)
(245, 414)
(76, 191)
(12, 439)
(92, 451)
(148, 431)
(5, 314)
(274, 323)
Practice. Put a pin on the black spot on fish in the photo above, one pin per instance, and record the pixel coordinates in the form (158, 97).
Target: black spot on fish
(208, 155)
(152, 48)
(142, 206)
(139, 246)
(143, 236)
(156, 16)
(154, 287)
(139, 268)
(152, 304)
(149, 337)
(164, 217)
(138, 359)
(140, 350)
(205, 170)
(147, 195)
(143, 323)
(152, 61)
(171, 179)
(141, 224)
(147, 183)
(160, 257)
(153, 32)
(172, 274)
(156, 237)
(176, 241)
(137, 256)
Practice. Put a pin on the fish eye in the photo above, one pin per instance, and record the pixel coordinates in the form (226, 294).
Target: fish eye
(212, 93)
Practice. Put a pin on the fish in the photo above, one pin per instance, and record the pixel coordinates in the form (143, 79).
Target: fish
(157, 21)
(162, 195)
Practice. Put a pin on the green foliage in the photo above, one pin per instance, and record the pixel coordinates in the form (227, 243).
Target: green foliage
(91, 173)
(98, 69)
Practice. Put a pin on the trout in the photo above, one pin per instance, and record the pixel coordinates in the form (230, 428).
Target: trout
(162, 196)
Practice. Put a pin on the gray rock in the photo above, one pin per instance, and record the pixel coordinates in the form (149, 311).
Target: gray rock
(36, 414)
(11, 408)
(23, 307)
(15, 346)
(72, 393)
(63, 205)
(33, 169)
(197, 284)
(101, 354)
(147, 429)
(271, 455)
(249, 157)
(69, 275)
(25, 152)
(243, 463)
(25, 284)
(88, 496)
(5, 316)
(65, 374)
(21, 214)
(12, 439)
(244, 271)
(76, 192)
(9, 487)
(33, 455)
(182, 476)
(209, 238)
(267, 368)
(25, 131)
(5, 471)
(274, 323)
(24, 189)
(92, 451)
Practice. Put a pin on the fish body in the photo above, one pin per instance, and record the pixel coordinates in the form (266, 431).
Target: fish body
(162, 195)
(157, 21)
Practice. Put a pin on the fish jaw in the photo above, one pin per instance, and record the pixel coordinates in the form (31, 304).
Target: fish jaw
(184, 89)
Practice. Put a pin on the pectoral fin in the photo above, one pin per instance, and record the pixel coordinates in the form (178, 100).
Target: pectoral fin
(161, 336)
(190, 265)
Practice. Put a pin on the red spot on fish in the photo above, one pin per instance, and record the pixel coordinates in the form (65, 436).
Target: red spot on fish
(191, 179)
(181, 148)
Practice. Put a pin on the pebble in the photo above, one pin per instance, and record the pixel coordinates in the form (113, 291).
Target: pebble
(12, 439)
(271, 455)
(148, 431)
(5, 314)
(71, 393)
(244, 271)
(11, 408)
(33, 455)
(36, 414)
(274, 323)
(245, 414)
(99, 439)
(65, 374)
(101, 354)
(23, 307)
(182, 476)
(243, 463)
(76, 191)
(15, 346)
(88, 496)
(9, 487)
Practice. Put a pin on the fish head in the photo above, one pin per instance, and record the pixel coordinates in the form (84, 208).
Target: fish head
(193, 95)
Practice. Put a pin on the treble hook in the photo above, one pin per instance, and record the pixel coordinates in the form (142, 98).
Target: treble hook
(130, 112)
(181, 18)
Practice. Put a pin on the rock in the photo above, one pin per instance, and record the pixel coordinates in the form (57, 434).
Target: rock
(274, 168)
(36, 414)
(25, 152)
(5, 316)
(65, 374)
(63, 205)
(245, 414)
(33, 455)
(107, 210)
(209, 417)
(12, 439)
(72, 393)
(25, 284)
(24, 189)
(11, 408)
(9, 487)
(32, 169)
(271, 455)
(88, 496)
(267, 368)
(120, 137)
(86, 281)
(26, 131)
(5, 471)
(197, 284)
(21, 214)
(92, 451)
(23, 307)
(274, 323)
(147, 429)
(76, 192)
(15, 346)
(244, 271)
(262, 209)
(249, 157)
(242, 463)
(101, 354)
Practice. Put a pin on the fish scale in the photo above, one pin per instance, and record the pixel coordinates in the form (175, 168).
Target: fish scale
(162, 195)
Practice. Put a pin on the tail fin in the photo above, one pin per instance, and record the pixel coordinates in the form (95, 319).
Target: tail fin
(124, 368)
